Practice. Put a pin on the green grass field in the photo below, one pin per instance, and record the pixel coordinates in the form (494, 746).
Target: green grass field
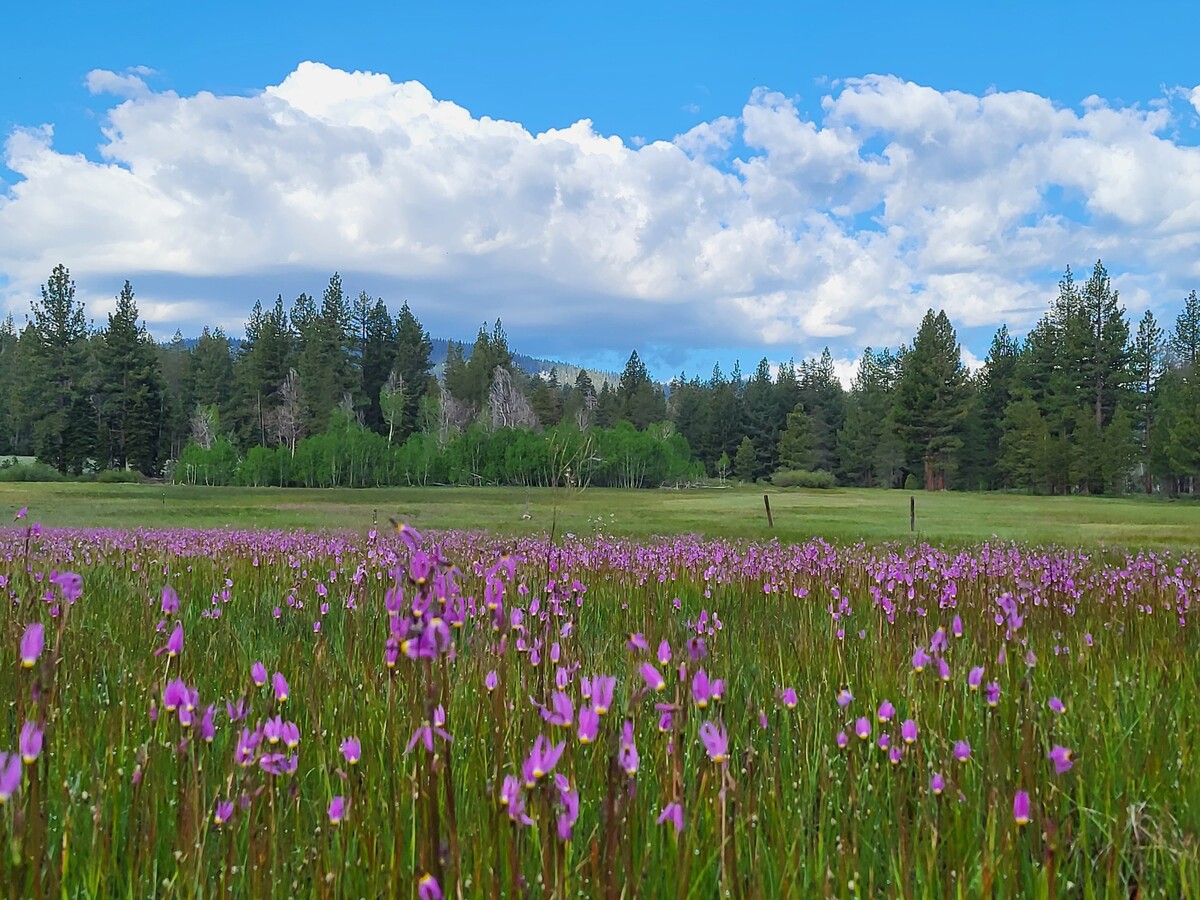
(842, 515)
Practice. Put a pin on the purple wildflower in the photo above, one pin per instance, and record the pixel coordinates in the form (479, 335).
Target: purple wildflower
(702, 689)
(886, 711)
(491, 681)
(962, 751)
(862, 727)
(29, 744)
(31, 644)
(638, 642)
(428, 888)
(175, 694)
(541, 760)
(1061, 757)
(716, 741)
(602, 693)
(570, 813)
(788, 697)
(975, 678)
(589, 724)
(908, 731)
(1057, 705)
(562, 712)
(174, 643)
(352, 750)
(208, 730)
(627, 756)
(10, 775)
(992, 694)
(844, 698)
(937, 784)
(672, 813)
(1021, 808)
(170, 601)
(654, 681)
(258, 674)
(337, 810)
(281, 687)
(664, 653)
(223, 813)
(920, 660)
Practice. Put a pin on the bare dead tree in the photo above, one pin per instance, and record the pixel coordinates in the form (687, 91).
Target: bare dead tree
(204, 426)
(392, 400)
(507, 403)
(287, 421)
(453, 416)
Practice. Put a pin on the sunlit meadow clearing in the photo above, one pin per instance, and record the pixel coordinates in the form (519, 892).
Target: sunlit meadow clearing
(273, 714)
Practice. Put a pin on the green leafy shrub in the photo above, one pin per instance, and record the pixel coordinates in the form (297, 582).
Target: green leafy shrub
(804, 479)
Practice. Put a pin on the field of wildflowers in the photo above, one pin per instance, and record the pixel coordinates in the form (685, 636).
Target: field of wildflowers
(259, 714)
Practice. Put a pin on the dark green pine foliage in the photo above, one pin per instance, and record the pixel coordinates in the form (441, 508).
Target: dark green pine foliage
(9, 402)
(173, 364)
(327, 370)
(546, 398)
(745, 461)
(869, 451)
(1104, 356)
(580, 400)
(131, 392)
(1147, 361)
(824, 400)
(931, 400)
(1184, 342)
(795, 450)
(722, 427)
(209, 377)
(412, 364)
(55, 394)
(455, 376)
(264, 359)
(685, 407)
(641, 400)
(762, 420)
(608, 407)
(377, 357)
(993, 386)
(489, 352)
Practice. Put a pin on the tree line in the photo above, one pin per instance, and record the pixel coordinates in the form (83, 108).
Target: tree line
(339, 391)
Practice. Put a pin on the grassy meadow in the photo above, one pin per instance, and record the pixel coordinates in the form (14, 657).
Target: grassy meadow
(223, 705)
(844, 515)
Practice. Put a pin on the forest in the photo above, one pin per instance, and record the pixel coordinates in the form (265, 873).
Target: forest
(341, 392)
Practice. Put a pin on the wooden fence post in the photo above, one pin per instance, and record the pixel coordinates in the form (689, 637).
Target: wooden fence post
(767, 504)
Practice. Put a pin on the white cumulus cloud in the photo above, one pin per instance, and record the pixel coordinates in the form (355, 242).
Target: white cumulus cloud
(764, 228)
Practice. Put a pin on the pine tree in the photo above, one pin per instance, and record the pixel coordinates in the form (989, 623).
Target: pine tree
(931, 398)
(1147, 362)
(1105, 361)
(745, 461)
(868, 448)
(130, 390)
(264, 360)
(377, 357)
(641, 400)
(1185, 337)
(992, 393)
(55, 399)
(795, 443)
(412, 365)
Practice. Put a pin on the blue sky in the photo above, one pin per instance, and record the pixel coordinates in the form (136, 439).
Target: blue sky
(796, 201)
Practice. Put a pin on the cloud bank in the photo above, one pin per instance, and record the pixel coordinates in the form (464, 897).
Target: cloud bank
(770, 229)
